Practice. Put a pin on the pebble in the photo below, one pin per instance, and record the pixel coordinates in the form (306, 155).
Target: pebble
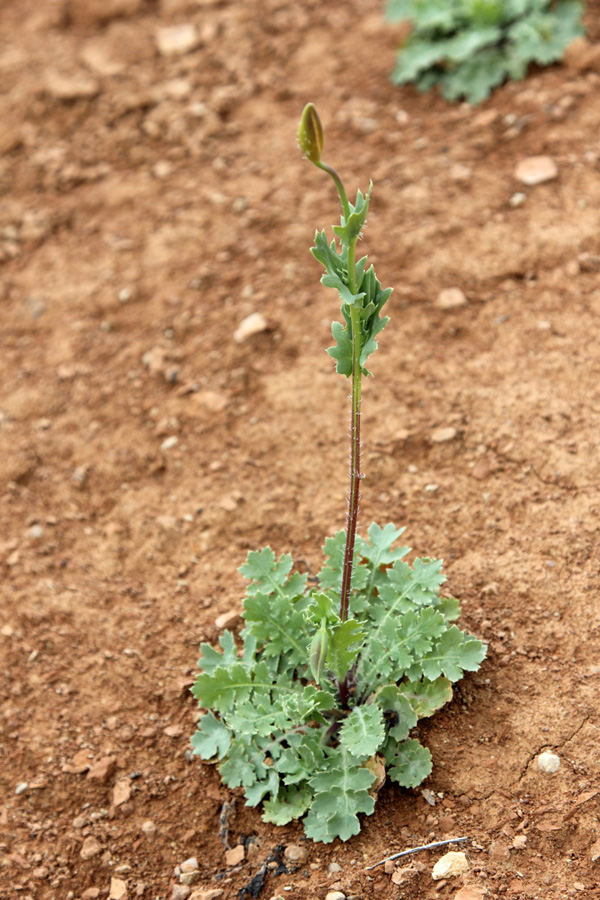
(102, 769)
(517, 199)
(470, 892)
(176, 40)
(89, 848)
(91, 894)
(211, 894)
(333, 868)
(180, 892)
(235, 856)
(450, 865)
(548, 763)
(536, 170)
(296, 853)
(36, 532)
(21, 787)
(595, 851)
(121, 792)
(451, 298)
(148, 827)
(252, 324)
(118, 889)
(169, 443)
(227, 619)
(335, 895)
(441, 435)
(189, 873)
(78, 88)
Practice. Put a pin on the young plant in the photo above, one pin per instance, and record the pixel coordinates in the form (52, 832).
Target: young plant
(469, 47)
(331, 679)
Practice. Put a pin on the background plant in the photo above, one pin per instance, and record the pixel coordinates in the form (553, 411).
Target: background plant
(469, 47)
(330, 680)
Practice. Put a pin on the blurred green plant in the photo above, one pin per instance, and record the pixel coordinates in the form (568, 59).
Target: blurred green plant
(469, 47)
(332, 677)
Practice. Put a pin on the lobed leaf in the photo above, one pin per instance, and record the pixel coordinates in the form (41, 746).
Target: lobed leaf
(362, 733)
(410, 762)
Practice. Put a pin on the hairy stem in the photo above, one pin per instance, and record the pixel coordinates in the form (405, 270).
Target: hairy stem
(355, 476)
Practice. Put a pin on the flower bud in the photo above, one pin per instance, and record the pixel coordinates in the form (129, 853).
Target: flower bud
(318, 652)
(310, 134)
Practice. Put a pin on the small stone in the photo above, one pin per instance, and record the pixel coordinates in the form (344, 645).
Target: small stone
(169, 443)
(80, 87)
(36, 532)
(517, 199)
(211, 894)
(520, 842)
(90, 848)
(235, 856)
(181, 892)
(80, 476)
(335, 895)
(189, 865)
(450, 865)
(548, 763)
(441, 435)
(174, 731)
(176, 40)
(40, 873)
(296, 853)
(451, 298)
(121, 792)
(499, 852)
(389, 866)
(595, 851)
(252, 324)
(470, 892)
(148, 827)
(189, 878)
(91, 894)
(162, 169)
(118, 889)
(212, 400)
(536, 170)
(460, 173)
(227, 619)
(21, 787)
(333, 868)
(102, 769)
(480, 470)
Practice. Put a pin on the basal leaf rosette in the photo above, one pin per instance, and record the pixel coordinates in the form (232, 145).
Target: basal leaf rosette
(273, 721)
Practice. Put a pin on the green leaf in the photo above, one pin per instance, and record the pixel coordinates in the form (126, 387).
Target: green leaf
(290, 805)
(243, 766)
(362, 733)
(330, 576)
(212, 738)
(453, 654)
(279, 624)
(340, 795)
(425, 696)
(392, 699)
(224, 687)
(264, 571)
(211, 658)
(344, 645)
(410, 763)
(351, 228)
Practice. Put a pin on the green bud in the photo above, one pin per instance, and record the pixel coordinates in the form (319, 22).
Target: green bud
(310, 134)
(318, 651)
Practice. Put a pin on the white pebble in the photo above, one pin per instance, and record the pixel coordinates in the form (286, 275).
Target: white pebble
(450, 865)
(252, 324)
(176, 40)
(451, 298)
(548, 763)
(169, 443)
(536, 170)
